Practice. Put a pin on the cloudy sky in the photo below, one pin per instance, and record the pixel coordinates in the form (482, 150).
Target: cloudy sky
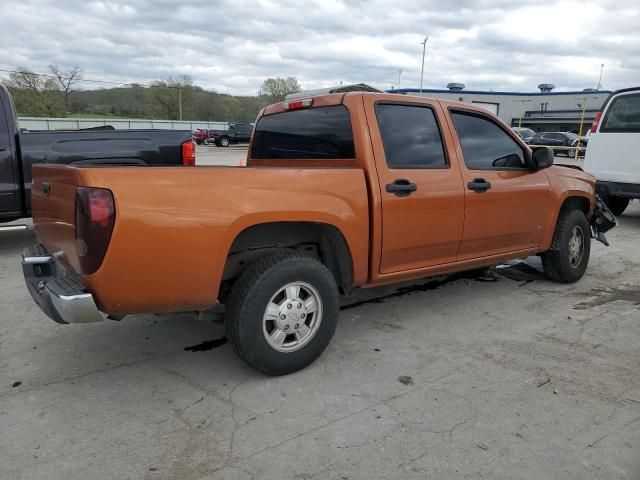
(233, 45)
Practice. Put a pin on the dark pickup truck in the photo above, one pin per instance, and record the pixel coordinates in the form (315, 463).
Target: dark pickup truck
(236, 133)
(20, 149)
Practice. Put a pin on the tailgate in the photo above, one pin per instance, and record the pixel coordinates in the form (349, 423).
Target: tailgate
(53, 198)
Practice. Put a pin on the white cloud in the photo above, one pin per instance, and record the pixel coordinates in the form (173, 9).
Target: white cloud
(233, 45)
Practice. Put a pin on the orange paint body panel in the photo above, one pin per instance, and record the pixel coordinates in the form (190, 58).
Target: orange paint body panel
(171, 236)
(174, 226)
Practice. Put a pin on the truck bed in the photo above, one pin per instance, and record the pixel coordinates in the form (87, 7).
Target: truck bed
(133, 147)
(183, 222)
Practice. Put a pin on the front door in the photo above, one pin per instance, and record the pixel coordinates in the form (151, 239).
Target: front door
(8, 178)
(422, 192)
(507, 204)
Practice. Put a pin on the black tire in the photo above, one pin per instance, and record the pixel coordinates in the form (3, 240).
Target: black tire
(558, 262)
(223, 142)
(253, 291)
(617, 205)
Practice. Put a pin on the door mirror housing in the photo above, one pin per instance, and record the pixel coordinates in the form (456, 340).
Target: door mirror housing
(542, 157)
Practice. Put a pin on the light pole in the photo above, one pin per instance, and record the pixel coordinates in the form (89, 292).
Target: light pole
(399, 74)
(599, 87)
(424, 47)
(180, 102)
(582, 106)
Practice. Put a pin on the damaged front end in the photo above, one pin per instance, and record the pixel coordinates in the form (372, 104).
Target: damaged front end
(602, 221)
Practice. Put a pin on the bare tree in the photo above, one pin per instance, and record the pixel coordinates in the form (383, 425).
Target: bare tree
(34, 94)
(66, 80)
(276, 89)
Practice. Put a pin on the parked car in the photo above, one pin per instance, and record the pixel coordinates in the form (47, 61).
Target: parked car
(20, 149)
(340, 192)
(612, 156)
(200, 136)
(525, 133)
(560, 139)
(236, 133)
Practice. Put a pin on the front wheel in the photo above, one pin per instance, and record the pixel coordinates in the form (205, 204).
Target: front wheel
(571, 153)
(223, 142)
(282, 312)
(567, 259)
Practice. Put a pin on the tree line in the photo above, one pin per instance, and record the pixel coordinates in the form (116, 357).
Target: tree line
(57, 94)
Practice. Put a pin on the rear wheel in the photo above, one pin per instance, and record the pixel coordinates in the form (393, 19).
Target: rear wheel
(282, 312)
(567, 259)
(571, 153)
(617, 205)
(223, 142)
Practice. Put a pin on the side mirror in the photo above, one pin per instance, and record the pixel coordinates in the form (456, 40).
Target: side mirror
(542, 157)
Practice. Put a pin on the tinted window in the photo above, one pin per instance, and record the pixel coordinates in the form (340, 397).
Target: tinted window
(410, 136)
(242, 128)
(623, 115)
(314, 133)
(485, 145)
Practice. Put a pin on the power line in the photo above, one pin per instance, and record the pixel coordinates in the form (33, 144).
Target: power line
(29, 72)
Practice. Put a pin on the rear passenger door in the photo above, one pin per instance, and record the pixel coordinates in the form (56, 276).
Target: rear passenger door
(507, 204)
(422, 192)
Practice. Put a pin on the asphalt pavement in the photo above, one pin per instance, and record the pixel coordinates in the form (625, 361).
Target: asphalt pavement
(499, 375)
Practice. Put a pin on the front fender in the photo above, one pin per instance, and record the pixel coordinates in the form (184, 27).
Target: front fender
(566, 183)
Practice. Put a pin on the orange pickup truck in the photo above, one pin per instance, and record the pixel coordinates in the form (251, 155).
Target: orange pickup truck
(339, 191)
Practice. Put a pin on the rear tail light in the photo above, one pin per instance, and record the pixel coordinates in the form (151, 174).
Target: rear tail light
(298, 104)
(188, 153)
(95, 217)
(596, 121)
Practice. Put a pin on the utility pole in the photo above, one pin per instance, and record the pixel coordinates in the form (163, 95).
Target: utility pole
(599, 87)
(399, 74)
(180, 101)
(424, 47)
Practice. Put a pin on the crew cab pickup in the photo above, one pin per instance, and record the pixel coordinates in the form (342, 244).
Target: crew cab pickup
(236, 133)
(339, 192)
(19, 150)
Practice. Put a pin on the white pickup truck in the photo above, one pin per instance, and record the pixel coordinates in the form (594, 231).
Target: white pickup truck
(613, 154)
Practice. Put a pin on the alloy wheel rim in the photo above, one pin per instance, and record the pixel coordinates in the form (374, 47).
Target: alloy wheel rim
(576, 246)
(292, 317)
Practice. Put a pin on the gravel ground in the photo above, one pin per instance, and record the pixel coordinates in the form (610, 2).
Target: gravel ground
(500, 376)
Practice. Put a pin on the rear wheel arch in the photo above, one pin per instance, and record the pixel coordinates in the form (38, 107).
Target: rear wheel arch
(320, 240)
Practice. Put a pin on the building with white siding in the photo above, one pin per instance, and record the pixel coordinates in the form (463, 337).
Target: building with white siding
(545, 110)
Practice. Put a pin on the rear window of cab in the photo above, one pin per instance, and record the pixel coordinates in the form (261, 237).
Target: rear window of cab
(321, 133)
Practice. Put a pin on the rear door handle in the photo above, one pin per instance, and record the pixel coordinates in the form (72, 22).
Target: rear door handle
(479, 185)
(401, 187)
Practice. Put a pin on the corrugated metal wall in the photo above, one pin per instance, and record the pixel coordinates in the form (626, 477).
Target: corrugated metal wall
(512, 106)
(36, 123)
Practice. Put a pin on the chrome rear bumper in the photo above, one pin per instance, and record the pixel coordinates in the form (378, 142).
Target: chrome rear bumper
(57, 291)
